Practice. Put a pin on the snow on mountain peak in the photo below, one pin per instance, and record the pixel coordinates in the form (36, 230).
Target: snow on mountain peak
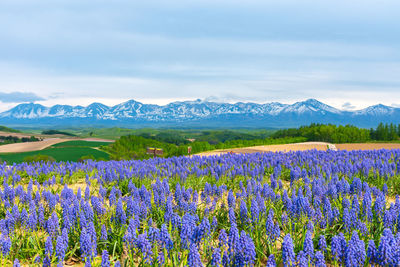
(197, 110)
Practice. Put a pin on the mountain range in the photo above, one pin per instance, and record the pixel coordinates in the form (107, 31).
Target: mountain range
(196, 113)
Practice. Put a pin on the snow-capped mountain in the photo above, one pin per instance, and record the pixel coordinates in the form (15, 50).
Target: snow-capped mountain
(196, 113)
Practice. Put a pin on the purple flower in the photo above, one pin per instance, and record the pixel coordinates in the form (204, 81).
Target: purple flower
(214, 223)
(247, 248)
(194, 259)
(233, 239)
(188, 226)
(255, 211)
(216, 257)
(288, 255)
(232, 216)
(386, 254)
(103, 233)
(120, 213)
(105, 261)
(60, 248)
(308, 246)
(5, 245)
(271, 261)
(87, 193)
(371, 251)
(302, 260)
(165, 238)
(269, 225)
(86, 245)
(243, 212)
(322, 243)
(143, 244)
(355, 252)
(222, 238)
(319, 259)
(48, 250)
(46, 262)
(16, 263)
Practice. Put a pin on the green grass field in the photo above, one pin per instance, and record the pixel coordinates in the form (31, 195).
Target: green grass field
(66, 151)
(80, 143)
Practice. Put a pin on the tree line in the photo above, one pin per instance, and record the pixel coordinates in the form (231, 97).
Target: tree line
(15, 139)
(135, 147)
(342, 133)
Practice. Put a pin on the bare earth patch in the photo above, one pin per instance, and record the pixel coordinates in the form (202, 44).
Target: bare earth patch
(30, 146)
(303, 146)
(40, 145)
(367, 146)
(19, 135)
(270, 148)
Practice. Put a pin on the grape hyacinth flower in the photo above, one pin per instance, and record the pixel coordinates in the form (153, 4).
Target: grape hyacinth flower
(371, 252)
(144, 246)
(302, 260)
(271, 261)
(355, 252)
(319, 259)
(248, 249)
(103, 233)
(165, 238)
(193, 259)
(386, 254)
(216, 257)
(288, 255)
(48, 250)
(308, 246)
(222, 238)
(86, 245)
(105, 261)
(60, 248)
(5, 245)
(322, 244)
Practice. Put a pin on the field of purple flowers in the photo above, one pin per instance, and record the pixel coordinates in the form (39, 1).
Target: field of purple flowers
(292, 209)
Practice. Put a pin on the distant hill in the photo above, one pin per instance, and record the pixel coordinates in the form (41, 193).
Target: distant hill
(8, 130)
(196, 114)
(52, 132)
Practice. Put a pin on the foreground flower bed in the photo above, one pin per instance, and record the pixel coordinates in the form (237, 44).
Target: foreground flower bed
(298, 208)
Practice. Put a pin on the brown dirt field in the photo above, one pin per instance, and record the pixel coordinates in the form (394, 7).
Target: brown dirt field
(30, 146)
(367, 146)
(19, 135)
(40, 145)
(270, 148)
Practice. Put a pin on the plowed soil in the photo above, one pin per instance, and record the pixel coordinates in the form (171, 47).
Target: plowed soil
(367, 146)
(40, 145)
(271, 148)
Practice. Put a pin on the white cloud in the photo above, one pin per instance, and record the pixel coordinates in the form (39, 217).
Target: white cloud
(348, 106)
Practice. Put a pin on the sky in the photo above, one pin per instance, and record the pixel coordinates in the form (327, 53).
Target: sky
(343, 53)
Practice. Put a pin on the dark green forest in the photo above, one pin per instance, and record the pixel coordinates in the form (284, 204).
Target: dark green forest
(15, 139)
(342, 134)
